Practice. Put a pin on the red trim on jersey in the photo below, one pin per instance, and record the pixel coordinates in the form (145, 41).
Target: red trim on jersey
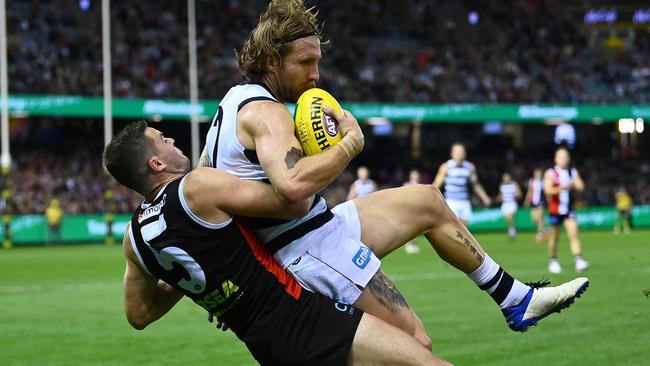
(291, 286)
(554, 203)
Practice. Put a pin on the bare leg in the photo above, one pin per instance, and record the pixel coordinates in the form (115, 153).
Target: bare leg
(553, 236)
(382, 299)
(391, 217)
(538, 218)
(379, 343)
(571, 227)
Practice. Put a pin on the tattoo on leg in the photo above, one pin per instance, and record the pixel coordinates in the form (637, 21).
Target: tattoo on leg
(292, 157)
(469, 245)
(386, 292)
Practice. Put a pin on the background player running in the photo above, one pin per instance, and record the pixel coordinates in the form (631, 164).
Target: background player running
(535, 200)
(509, 193)
(458, 175)
(363, 185)
(559, 184)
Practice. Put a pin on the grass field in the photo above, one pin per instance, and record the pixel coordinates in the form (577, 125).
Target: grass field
(63, 306)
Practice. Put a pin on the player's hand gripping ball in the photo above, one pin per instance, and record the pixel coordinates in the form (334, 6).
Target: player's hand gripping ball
(315, 130)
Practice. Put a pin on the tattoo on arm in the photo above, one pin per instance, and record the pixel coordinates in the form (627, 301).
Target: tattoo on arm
(469, 245)
(204, 161)
(292, 157)
(386, 293)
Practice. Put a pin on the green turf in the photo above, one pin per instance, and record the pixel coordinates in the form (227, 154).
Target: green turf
(63, 306)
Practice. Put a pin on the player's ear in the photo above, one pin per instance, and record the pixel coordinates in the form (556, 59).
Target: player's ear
(271, 63)
(155, 164)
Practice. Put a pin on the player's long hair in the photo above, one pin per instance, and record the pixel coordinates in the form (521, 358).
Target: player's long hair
(284, 21)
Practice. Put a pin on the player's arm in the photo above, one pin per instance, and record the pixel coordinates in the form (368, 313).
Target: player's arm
(204, 160)
(577, 184)
(352, 192)
(209, 188)
(478, 188)
(549, 188)
(146, 299)
(529, 195)
(517, 190)
(293, 176)
(440, 176)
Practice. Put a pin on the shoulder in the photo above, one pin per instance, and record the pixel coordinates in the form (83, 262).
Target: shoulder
(260, 114)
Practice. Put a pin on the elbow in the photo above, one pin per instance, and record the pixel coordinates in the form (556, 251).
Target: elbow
(296, 194)
(138, 322)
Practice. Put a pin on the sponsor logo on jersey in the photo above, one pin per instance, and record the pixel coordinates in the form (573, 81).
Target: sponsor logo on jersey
(330, 125)
(152, 210)
(362, 258)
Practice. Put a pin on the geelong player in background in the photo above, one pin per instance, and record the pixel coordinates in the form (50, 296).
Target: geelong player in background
(560, 182)
(363, 185)
(509, 193)
(535, 200)
(458, 176)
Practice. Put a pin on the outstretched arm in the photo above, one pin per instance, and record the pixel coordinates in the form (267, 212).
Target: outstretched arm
(295, 177)
(146, 299)
(478, 188)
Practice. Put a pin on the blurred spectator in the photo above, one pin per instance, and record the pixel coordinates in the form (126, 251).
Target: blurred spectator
(624, 208)
(54, 216)
(407, 51)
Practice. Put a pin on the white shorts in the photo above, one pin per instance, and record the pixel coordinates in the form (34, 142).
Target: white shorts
(335, 262)
(462, 209)
(509, 208)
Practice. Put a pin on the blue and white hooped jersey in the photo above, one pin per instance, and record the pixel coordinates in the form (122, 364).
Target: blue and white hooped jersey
(508, 192)
(364, 187)
(227, 153)
(457, 180)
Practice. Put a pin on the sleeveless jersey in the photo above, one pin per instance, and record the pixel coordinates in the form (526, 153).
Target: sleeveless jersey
(227, 153)
(457, 180)
(221, 267)
(537, 186)
(561, 203)
(508, 192)
(364, 187)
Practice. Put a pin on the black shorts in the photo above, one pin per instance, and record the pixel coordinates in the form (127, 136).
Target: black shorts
(313, 330)
(559, 219)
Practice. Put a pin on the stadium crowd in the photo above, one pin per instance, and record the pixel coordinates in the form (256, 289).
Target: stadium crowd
(520, 51)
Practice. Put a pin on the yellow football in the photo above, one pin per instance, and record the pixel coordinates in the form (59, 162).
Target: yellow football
(315, 130)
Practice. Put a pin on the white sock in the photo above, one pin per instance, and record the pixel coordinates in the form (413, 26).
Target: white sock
(504, 289)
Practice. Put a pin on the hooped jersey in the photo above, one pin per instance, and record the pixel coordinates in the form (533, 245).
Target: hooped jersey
(364, 187)
(221, 267)
(561, 203)
(457, 180)
(227, 153)
(508, 192)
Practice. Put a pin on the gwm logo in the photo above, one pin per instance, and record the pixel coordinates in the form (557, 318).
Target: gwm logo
(362, 258)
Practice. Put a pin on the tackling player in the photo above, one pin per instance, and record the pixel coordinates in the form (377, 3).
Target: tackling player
(559, 184)
(181, 242)
(252, 137)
